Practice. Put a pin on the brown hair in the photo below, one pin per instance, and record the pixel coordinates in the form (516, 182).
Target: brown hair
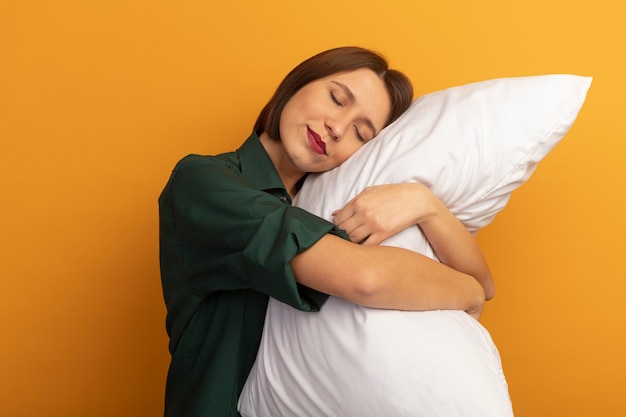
(330, 62)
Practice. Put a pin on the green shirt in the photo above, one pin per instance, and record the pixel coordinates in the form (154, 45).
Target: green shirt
(227, 234)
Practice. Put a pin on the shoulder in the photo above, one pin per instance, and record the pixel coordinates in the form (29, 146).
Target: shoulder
(192, 162)
(207, 171)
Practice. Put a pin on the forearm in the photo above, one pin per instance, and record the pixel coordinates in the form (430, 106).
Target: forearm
(456, 247)
(386, 277)
(411, 281)
(384, 210)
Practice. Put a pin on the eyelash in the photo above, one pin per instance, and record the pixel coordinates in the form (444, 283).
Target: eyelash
(358, 135)
(335, 100)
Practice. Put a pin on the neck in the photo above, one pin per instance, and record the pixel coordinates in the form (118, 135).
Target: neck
(288, 173)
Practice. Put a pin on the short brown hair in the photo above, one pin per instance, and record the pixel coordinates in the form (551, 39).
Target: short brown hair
(330, 62)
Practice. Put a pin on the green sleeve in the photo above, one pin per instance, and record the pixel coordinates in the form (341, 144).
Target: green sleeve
(231, 236)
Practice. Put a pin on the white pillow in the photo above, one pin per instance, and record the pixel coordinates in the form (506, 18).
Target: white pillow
(473, 145)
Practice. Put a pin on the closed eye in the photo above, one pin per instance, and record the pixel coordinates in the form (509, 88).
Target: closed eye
(333, 97)
(358, 134)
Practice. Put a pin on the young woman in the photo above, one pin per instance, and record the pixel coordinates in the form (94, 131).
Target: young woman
(229, 237)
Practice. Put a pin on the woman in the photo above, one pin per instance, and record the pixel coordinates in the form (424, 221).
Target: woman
(230, 238)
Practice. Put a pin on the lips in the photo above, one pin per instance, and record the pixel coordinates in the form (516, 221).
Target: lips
(317, 144)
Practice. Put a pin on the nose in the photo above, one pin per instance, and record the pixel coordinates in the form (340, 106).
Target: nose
(335, 129)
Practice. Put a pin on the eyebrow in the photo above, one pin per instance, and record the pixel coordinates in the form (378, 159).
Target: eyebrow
(351, 97)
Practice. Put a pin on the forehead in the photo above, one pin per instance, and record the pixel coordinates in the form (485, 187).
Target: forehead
(371, 97)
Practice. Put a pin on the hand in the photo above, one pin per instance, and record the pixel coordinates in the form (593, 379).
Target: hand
(381, 211)
(476, 312)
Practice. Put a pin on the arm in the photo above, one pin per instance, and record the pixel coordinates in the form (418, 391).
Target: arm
(386, 277)
(455, 246)
(384, 210)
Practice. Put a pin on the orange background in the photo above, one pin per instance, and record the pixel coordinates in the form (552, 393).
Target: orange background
(99, 99)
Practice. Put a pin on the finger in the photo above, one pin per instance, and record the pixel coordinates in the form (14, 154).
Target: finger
(341, 216)
(356, 231)
(359, 235)
(374, 239)
(352, 226)
(347, 211)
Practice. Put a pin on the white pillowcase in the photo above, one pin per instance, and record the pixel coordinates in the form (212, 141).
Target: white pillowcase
(473, 145)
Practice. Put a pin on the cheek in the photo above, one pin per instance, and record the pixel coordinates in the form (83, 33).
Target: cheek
(347, 151)
(287, 121)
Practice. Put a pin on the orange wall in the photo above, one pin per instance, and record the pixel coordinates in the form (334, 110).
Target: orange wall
(98, 99)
